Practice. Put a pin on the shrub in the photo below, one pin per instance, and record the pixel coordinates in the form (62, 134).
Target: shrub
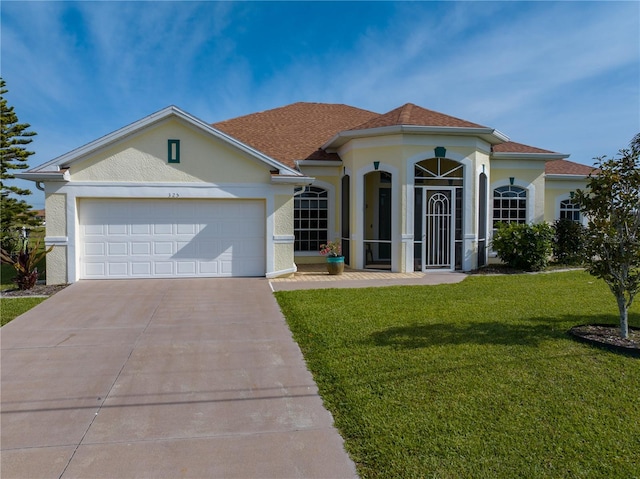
(568, 241)
(24, 262)
(523, 246)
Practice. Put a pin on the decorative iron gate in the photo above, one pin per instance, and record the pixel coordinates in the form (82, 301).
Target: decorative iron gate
(439, 221)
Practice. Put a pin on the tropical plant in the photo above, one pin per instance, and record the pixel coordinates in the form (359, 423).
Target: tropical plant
(25, 262)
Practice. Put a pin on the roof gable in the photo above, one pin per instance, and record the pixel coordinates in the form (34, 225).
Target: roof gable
(65, 161)
(410, 114)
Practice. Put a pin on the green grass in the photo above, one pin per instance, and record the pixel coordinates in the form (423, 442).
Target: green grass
(11, 308)
(6, 275)
(477, 379)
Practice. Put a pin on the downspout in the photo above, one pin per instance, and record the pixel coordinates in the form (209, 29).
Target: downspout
(39, 185)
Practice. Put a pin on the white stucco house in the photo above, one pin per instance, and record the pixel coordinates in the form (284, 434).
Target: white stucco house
(409, 190)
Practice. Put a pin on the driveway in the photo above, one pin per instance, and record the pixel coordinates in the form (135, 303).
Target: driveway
(161, 378)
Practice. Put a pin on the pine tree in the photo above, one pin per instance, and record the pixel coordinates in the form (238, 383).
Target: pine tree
(15, 213)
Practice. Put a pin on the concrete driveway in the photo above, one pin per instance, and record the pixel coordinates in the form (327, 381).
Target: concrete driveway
(161, 378)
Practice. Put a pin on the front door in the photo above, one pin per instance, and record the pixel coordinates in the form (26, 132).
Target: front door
(438, 244)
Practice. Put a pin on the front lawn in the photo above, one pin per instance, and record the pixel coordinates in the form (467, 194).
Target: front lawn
(11, 308)
(476, 379)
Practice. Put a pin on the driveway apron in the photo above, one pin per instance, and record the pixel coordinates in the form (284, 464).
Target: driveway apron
(161, 378)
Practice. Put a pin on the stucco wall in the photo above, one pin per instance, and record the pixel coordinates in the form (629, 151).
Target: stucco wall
(557, 190)
(283, 215)
(56, 208)
(526, 174)
(57, 265)
(283, 233)
(283, 255)
(143, 158)
(56, 229)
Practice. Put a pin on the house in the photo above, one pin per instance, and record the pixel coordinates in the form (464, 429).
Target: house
(409, 190)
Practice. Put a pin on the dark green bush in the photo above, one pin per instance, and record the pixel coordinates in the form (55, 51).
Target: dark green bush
(523, 246)
(568, 242)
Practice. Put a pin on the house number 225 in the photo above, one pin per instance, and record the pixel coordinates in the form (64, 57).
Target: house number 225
(174, 195)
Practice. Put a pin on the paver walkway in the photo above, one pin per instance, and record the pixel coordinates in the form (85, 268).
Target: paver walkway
(315, 276)
(161, 378)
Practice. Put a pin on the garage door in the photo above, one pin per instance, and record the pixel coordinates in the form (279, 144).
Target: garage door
(171, 238)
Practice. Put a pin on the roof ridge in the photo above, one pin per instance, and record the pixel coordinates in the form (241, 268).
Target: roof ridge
(404, 117)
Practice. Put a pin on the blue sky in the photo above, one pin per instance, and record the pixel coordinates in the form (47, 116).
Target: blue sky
(563, 76)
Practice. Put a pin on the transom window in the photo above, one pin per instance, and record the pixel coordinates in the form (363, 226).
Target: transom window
(438, 172)
(310, 218)
(569, 210)
(509, 205)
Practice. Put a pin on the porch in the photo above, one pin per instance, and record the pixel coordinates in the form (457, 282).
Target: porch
(315, 276)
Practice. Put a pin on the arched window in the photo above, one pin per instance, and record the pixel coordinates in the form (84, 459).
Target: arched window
(509, 205)
(310, 216)
(570, 211)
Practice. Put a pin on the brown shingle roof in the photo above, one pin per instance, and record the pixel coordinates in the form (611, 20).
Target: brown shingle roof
(513, 147)
(296, 131)
(564, 167)
(410, 114)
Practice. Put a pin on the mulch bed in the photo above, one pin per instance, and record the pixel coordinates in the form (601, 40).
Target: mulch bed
(608, 336)
(37, 290)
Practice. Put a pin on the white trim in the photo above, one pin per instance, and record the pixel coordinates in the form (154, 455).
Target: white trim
(557, 177)
(169, 190)
(282, 272)
(283, 239)
(490, 135)
(57, 176)
(504, 155)
(318, 162)
(56, 240)
(293, 180)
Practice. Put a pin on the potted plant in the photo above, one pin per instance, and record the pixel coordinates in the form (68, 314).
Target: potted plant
(333, 251)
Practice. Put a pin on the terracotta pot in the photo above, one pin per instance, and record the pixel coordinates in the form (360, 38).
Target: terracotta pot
(335, 264)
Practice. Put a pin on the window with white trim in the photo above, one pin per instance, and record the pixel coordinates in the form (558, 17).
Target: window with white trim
(310, 218)
(509, 205)
(570, 210)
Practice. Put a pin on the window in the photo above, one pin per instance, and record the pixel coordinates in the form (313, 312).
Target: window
(570, 211)
(509, 205)
(310, 218)
(173, 151)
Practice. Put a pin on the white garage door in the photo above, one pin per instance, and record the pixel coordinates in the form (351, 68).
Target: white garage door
(171, 238)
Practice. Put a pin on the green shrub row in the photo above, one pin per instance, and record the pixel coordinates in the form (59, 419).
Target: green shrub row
(529, 247)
